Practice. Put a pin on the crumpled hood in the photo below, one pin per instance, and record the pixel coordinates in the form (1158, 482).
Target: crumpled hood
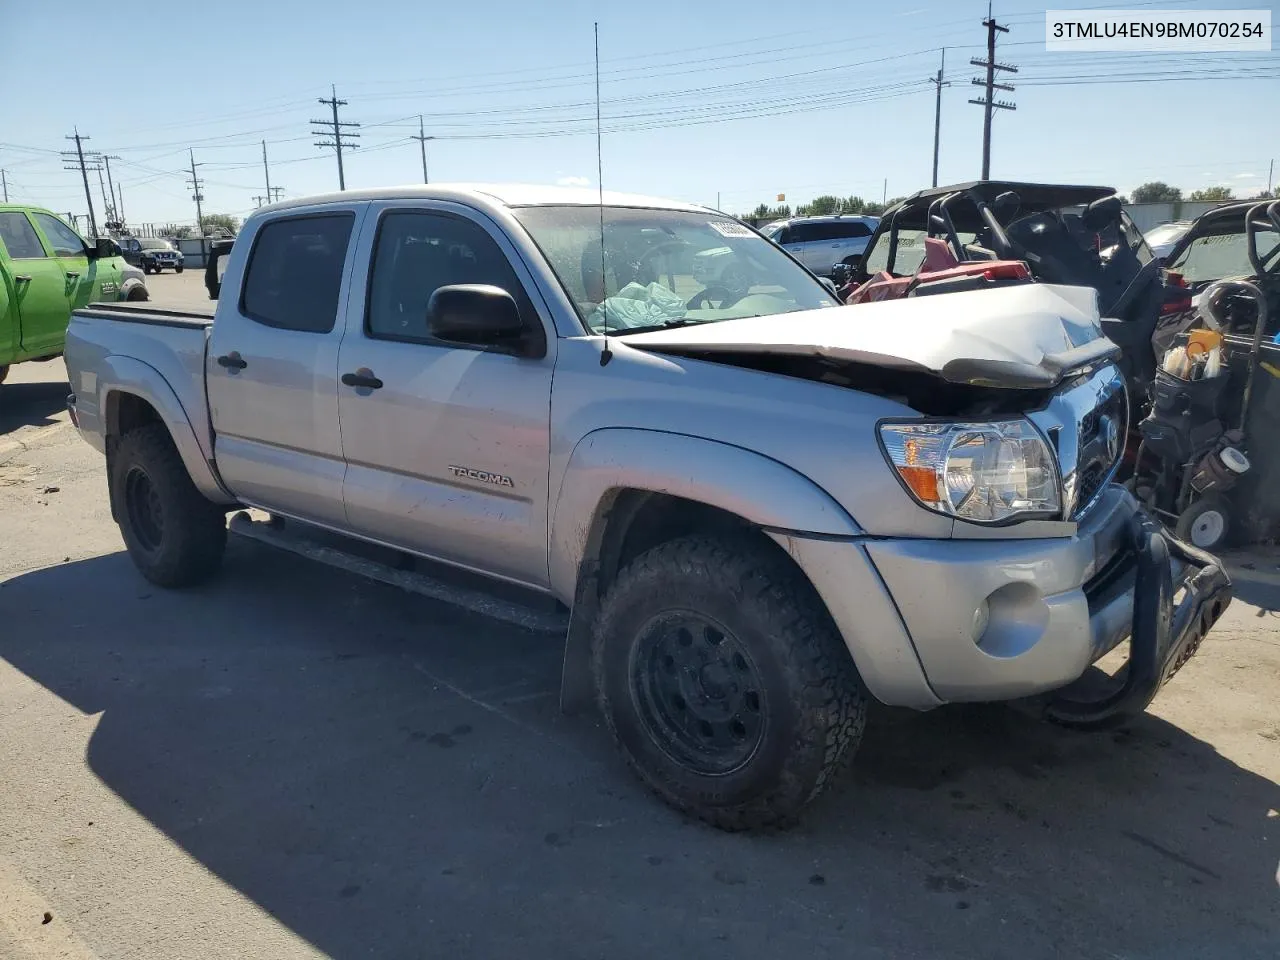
(1024, 336)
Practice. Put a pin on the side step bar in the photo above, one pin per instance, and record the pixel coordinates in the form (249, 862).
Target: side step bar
(292, 538)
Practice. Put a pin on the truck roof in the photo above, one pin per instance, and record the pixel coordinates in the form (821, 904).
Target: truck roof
(502, 194)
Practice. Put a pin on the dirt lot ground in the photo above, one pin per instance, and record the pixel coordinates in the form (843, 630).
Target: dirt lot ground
(293, 762)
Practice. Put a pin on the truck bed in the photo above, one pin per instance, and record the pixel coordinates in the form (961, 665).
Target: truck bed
(146, 313)
(121, 345)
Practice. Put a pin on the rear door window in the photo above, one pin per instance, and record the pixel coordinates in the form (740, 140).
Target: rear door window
(295, 272)
(849, 230)
(805, 232)
(19, 237)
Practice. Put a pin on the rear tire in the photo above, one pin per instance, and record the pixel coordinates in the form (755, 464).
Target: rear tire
(725, 683)
(174, 535)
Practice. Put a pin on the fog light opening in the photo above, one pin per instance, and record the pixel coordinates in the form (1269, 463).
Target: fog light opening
(1016, 619)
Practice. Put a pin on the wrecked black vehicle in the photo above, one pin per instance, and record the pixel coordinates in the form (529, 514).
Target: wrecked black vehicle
(994, 233)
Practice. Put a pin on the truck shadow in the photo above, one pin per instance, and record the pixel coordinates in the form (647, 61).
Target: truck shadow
(391, 777)
(31, 404)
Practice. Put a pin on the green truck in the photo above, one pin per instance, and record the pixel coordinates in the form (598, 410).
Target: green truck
(46, 271)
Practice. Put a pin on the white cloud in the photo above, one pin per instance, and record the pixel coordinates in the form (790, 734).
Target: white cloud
(1246, 176)
(573, 182)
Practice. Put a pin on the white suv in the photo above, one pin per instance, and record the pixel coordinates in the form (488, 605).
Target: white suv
(821, 242)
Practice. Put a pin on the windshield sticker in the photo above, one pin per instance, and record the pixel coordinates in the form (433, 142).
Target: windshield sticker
(727, 228)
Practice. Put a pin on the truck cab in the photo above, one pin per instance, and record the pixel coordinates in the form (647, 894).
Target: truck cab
(46, 271)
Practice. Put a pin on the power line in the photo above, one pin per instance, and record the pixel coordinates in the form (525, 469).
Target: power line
(989, 103)
(337, 133)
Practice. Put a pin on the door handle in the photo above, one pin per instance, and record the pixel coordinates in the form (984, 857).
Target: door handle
(73, 276)
(362, 378)
(232, 361)
(22, 278)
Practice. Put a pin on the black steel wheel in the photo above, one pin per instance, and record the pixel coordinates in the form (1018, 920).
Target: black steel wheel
(174, 535)
(146, 514)
(698, 691)
(724, 682)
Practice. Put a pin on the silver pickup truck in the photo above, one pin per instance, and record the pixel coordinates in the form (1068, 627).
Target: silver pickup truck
(762, 508)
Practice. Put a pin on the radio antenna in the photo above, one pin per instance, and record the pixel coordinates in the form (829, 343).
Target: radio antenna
(606, 354)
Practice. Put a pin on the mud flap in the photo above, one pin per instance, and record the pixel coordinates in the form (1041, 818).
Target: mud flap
(1165, 635)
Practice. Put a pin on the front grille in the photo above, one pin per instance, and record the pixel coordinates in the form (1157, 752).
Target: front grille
(1087, 420)
(1102, 436)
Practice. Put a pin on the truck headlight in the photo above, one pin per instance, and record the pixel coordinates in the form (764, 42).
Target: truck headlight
(979, 472)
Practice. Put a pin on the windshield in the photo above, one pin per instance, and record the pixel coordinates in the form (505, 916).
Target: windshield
(1222, 255)
(155, 244)
(909, 256)
(661, 268)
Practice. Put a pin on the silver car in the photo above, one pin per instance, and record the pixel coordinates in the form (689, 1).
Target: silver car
(822, 242)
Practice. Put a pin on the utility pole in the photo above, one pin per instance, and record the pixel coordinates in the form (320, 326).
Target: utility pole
(422, 142)
(266, 171)
(84, 176)
(111, 185)
(5, 183)
(938, 83)
(108, 207)
(1270, 172)
(276, 193)
(336, 132)
(989, 103)
(196, 183)
(259, 201)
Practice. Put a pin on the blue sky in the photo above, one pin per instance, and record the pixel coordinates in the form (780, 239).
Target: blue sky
(825, 98)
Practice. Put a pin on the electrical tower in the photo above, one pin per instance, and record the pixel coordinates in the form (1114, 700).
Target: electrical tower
(422, 142)
(84, 176)
(196, 184)
(938, 84)
(116, 214)
(334, 128)
(989, 102)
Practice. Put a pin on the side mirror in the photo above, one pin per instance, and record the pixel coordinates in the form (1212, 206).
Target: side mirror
(103, 248)
(481, 315)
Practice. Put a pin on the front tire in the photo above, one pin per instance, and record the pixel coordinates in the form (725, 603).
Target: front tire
(177, 269)
(174, 535)
(725, 683)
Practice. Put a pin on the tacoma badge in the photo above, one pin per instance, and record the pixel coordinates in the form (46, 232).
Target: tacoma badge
(484, 476)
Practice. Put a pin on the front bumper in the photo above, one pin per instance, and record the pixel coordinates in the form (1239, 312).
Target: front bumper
(1003, 619)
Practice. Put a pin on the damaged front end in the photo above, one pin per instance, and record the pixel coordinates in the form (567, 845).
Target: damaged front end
(1088, 571)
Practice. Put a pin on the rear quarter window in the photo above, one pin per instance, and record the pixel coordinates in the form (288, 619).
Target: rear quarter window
(295, 270)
